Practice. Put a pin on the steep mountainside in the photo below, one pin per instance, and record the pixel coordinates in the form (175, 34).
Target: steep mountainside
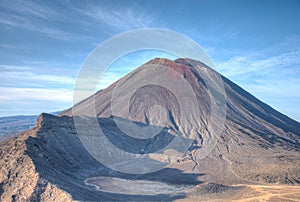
(257, 144)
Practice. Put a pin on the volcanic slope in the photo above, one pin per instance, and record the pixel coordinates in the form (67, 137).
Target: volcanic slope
(257, 143)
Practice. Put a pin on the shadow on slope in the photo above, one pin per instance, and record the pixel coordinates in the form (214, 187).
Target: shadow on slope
(61, 159)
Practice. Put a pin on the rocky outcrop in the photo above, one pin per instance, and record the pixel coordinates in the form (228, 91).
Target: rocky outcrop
(49, 163)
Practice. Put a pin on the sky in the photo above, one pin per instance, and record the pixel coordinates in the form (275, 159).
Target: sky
(43, 45)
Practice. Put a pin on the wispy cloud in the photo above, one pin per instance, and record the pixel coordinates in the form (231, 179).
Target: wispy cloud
(12, 76)
(23, 23)
(281, 91)
(121, 19)
(274, 79)
(20, 94)
(8, 46)
(34, 17)
(239, 65)
(18, 100)
(30, 8)
(44, 19)
(26, 90)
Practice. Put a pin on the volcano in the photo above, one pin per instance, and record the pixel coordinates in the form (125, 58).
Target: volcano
(224, 142)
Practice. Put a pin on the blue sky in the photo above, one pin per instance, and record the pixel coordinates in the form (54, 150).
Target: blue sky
(43, 44)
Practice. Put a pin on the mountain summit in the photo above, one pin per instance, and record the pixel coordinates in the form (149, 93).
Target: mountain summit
(254, 144)
(252, 132)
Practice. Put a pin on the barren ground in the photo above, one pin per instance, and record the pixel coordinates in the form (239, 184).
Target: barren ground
(250, 193)
(246, 193)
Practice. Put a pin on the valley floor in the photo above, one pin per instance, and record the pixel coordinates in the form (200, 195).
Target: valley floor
(251, 193)
(201, 192)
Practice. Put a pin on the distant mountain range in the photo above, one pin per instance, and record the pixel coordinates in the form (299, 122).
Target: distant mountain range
(13, 125)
